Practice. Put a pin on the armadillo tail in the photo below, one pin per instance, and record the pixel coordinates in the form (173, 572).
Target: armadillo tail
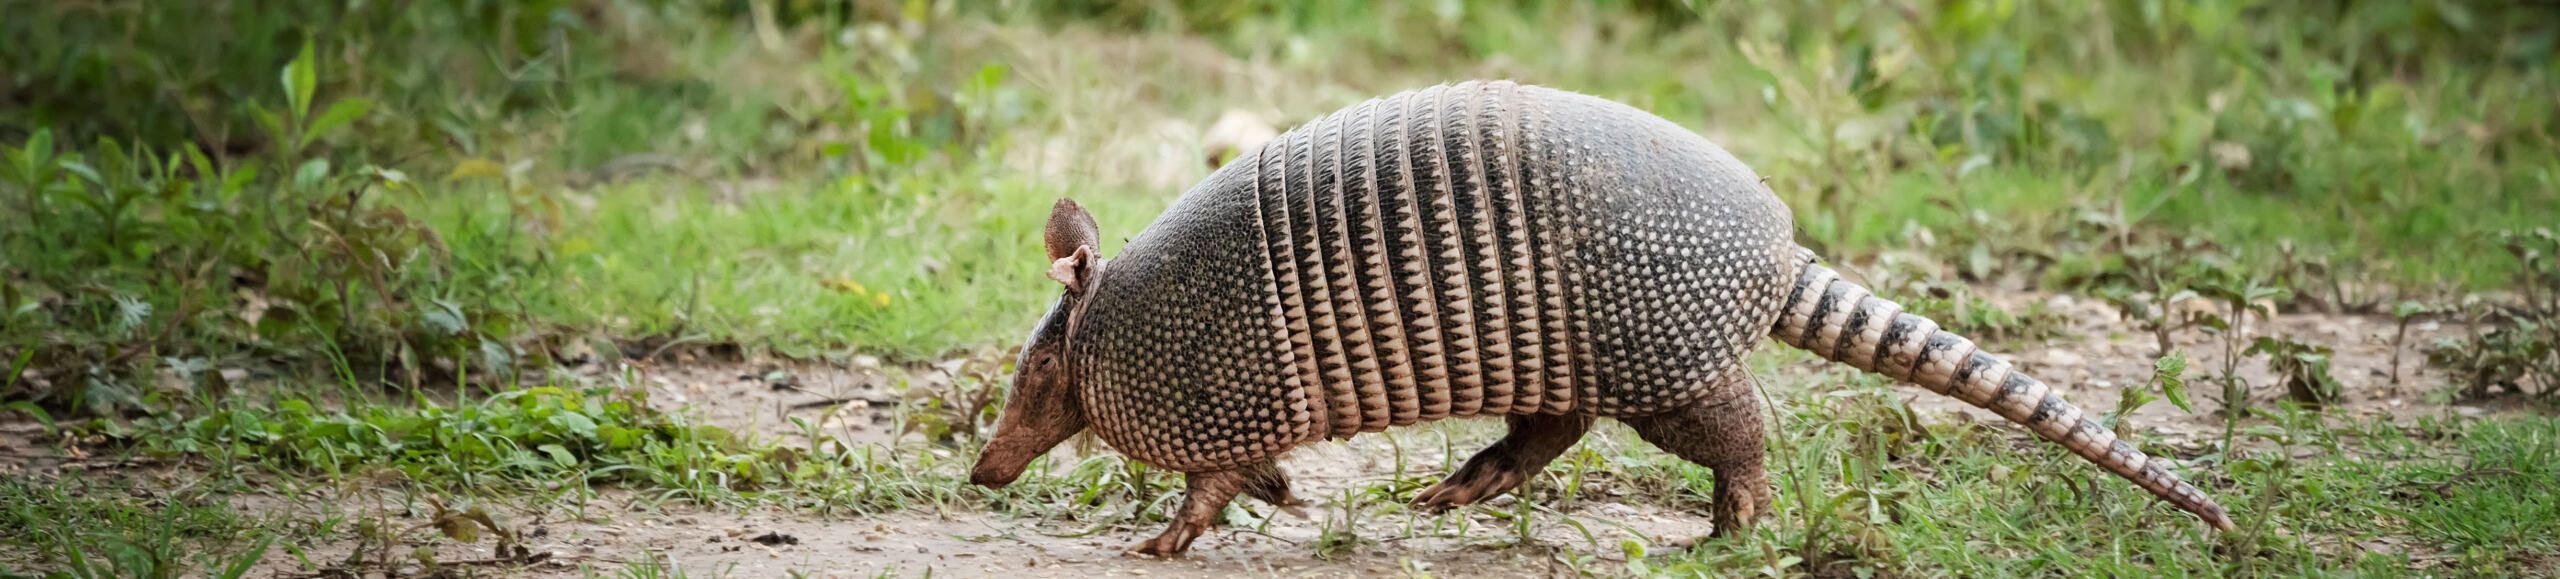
(1842, 322)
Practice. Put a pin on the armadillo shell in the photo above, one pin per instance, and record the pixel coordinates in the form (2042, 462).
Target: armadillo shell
(1476, 249)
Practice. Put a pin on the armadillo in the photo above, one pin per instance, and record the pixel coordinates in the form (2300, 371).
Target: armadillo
(1477, 249)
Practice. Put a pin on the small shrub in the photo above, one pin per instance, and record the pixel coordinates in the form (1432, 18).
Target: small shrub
(2304, 368)
(2516, 348)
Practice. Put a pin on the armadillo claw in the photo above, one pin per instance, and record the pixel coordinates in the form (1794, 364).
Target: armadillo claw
(1739, 505)
(1172, 543)
(1465, 488)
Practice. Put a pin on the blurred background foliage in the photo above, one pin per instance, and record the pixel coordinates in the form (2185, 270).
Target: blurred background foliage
(424, 191)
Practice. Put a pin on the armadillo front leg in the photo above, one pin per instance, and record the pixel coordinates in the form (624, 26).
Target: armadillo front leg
(1724, 435)
(1534, 441)
(1207, 495)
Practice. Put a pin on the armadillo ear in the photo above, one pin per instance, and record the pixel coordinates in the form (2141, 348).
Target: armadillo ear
(1070, 228)
(1075, 269)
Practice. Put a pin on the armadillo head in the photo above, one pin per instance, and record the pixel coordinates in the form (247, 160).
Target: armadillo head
(1045, 409)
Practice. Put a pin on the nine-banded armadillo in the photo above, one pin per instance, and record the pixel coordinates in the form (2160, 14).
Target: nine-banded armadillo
(1482, 249)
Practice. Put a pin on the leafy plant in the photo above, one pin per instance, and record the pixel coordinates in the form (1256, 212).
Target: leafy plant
(2518, 347)
(2240, 294)
(2168, 375)
(2303, 368)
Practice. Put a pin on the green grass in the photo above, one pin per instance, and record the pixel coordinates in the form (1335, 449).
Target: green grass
(1956, 500)
(80, 527)
(792, 160)
(908, 267)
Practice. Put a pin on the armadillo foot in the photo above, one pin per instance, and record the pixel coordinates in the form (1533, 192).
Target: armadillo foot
(1741, 498)
(1466, 487)
(1208, 494)
(1534, 441)
(1723, 435)
(1172, 543)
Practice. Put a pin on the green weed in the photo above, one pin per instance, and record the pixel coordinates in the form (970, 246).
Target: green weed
(85, 529)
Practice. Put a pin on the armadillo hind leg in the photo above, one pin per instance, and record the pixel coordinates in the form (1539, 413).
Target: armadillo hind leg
(1207, 494)
(1842, 322)
(1534, 441)
(1723, 434)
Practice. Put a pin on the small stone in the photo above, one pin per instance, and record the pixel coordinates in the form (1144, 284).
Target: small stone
(2469, 411)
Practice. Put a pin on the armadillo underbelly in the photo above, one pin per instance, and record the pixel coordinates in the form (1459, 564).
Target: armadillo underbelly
(1474, 249)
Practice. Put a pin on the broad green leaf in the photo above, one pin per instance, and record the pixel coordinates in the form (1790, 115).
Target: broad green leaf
(575, 422)
(39, 152)
(560, 455)
(189, 157)
(445, 318)
(83, 170)
(310, 174)
(2171, 371)
(339, 114)
(269, 121)
(300, 78)
(239, 180)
